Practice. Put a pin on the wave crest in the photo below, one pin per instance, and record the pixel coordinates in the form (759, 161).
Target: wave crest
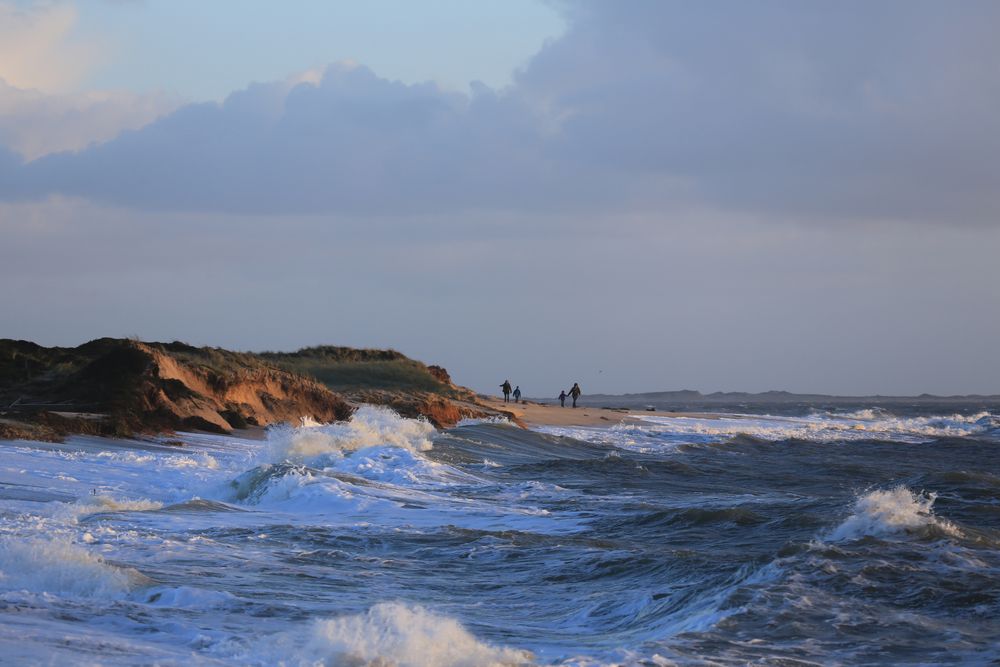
(87, 506)
(896, 511)
(61, 567)
(872, 424)
(405, 636)
(370, 426)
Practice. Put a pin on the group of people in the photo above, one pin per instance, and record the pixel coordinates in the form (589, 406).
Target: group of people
(505, 387)
(574, 393)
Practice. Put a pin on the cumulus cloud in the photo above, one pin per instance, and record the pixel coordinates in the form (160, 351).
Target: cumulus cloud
(353, 142)
(837, 111)
(42, 61)
(33, 123)
(37, 50)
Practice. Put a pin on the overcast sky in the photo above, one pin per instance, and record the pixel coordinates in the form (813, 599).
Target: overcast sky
(631, 195)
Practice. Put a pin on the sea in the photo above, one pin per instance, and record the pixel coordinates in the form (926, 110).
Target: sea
(847, 537)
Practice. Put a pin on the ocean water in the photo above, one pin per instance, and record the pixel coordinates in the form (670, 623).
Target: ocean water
(822, 538)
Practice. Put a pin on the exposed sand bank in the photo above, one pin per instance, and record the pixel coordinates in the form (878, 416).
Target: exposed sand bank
(536, 414)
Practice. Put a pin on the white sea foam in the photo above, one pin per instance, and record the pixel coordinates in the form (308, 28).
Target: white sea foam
(887, 513)
(869, 424)
(99, 504)
(402, 635)
(866, 413)
(401, 467)
(185, 597)
(376, 444)
(60, 567)
(159, 460)
(201, 462)
(476, 421)
(301, 490)
(368, 427)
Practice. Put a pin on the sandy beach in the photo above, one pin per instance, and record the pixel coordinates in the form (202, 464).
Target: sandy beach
(537, 414)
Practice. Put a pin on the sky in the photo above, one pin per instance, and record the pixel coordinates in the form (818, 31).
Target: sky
(637, 196)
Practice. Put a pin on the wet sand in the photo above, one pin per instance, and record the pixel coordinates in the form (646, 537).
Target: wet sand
(537, 414)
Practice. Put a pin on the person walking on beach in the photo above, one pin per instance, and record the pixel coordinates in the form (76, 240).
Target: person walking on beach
(575, 392)
(562, 399)
(506, 391)
(517, 394)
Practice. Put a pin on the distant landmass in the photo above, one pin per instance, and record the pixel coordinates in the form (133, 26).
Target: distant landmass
(122, 387)
(688, 399)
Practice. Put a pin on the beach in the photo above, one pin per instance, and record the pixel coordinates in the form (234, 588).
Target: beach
(532, 413)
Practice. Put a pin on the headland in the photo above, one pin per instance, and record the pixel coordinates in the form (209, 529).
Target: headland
(125, 387)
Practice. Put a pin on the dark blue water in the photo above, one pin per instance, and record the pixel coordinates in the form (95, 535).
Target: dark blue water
(853, 539)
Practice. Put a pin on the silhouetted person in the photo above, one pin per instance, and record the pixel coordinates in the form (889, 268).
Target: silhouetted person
(517, 393)
(575, 392)
(562, 399)
(506, 391)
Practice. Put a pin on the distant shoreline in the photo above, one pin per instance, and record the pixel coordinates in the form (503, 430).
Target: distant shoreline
(778, 397)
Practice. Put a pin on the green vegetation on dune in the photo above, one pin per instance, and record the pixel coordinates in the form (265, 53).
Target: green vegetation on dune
(122, 386)
(222, 366)
(119, 386)
(350, 369)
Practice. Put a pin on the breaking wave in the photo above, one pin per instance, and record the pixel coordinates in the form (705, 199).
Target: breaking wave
(872, 424)
(100, 504)
(370, 426)
(402, 635)
(893, 512)
(314, 546)
(62, 568)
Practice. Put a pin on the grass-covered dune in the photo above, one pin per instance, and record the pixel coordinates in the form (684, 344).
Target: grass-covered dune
(384, 377)
(352, 369)
(117, 387)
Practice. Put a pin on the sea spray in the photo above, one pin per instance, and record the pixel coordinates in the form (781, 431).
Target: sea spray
(707, 554)
(404, 635)
(102, 503)
(59, 567)
(368, 427)
(892, 512)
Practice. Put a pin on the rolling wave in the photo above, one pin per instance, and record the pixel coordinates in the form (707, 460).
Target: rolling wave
(382, 541)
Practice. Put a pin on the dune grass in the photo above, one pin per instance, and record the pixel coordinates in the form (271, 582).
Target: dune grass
(347, 369)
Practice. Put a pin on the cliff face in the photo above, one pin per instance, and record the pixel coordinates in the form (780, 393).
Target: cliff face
(120, 387)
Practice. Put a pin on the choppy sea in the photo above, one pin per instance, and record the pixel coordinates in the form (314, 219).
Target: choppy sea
(859, 537)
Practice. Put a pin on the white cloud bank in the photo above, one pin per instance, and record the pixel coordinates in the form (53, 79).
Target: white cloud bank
(843, 110)
(33, 123)
(42, 63)
(37, 50)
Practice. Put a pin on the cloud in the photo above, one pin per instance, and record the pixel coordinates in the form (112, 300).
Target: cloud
(41, 62)
(351, 143)
(38, 50)
(841, 111)
(33, 123)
